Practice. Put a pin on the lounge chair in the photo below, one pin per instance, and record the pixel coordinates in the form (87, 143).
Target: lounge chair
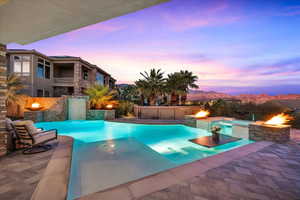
(34, 139)
(11, 136)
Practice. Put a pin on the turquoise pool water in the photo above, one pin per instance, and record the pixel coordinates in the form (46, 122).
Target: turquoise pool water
(106, 154)
(232, 122)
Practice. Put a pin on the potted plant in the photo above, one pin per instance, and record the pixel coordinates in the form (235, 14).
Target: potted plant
(216, 133)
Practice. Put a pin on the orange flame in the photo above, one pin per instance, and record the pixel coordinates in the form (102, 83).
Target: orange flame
(202, 114)
(35, 105)
(278, 120)
(109, 106)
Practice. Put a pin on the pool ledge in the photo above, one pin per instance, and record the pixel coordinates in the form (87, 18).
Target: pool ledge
(54, 182)
(162, 180)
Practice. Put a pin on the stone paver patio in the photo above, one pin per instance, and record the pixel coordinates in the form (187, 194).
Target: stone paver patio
(20, 174)
(271, 173)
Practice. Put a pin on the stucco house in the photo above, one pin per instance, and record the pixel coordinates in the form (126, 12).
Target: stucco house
(54, 76)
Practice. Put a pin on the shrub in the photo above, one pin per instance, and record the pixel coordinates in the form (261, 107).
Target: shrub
(124, 108)
(245, 111)
(296, 122)
(100, 96)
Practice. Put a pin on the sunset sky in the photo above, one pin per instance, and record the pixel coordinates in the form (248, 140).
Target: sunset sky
(234, 46)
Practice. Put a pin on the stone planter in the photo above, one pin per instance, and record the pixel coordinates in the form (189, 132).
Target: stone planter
(259, 131)
(205, 124)
(100, 115)
(36, 116)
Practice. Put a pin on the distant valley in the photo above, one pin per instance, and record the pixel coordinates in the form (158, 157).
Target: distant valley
(198, 95)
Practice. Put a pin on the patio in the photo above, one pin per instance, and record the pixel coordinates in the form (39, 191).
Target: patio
(269, 173)
(20, 174)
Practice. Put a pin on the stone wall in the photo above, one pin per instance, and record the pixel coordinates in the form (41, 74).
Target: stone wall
(259, 131)
(100, 115)
(77, 78)
(36, 116)
(3, 88)
(164, 112)
(58, 111)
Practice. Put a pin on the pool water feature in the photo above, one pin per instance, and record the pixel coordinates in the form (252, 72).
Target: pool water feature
(77, 108)
(106, 154)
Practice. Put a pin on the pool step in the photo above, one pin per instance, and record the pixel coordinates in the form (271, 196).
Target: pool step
(185, 154)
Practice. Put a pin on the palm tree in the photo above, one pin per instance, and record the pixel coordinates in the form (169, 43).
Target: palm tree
(143, 90)
(178, 85)
(174, 87)
(152, 86)
(189, 81)
(14, 85)
(100, 96)
(128, 93)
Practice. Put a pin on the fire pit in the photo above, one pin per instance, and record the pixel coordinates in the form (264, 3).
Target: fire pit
(202, 114)
(35, 112)
(198, 120)
(35, 106)
(274, 129)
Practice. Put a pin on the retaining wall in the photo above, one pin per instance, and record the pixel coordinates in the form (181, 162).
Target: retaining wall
(164, 112)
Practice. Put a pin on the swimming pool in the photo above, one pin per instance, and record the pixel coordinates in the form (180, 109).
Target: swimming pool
(106, 154)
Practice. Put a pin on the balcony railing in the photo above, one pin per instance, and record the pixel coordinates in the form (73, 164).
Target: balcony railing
(64, 80)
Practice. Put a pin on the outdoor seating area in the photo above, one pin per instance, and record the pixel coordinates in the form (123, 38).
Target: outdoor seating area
(25, 135)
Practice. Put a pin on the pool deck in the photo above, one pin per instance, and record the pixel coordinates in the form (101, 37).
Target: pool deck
(260, 170)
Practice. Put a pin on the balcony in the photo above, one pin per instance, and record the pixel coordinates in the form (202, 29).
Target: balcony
(64, 81)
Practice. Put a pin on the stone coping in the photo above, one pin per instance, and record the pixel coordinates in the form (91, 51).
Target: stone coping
(144, 186)
(148, 121)
(55, 179)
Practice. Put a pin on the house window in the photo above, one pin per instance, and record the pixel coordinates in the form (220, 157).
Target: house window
(43, 69)
(85, 74)
(39, 93)
(47, 93)
(40, 70)
(21, 65)
(47, 72)
(99, 78)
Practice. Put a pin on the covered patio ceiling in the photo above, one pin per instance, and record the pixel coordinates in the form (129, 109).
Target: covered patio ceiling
(26, 21)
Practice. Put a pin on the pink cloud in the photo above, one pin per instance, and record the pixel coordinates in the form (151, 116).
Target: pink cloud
(212, 15)
(99, 29)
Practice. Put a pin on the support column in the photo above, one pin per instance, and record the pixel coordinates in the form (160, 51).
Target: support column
(106, 81)
(77, 79)
(3, 89)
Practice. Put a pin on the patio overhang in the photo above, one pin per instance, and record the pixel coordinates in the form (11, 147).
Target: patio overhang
(27, 21)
